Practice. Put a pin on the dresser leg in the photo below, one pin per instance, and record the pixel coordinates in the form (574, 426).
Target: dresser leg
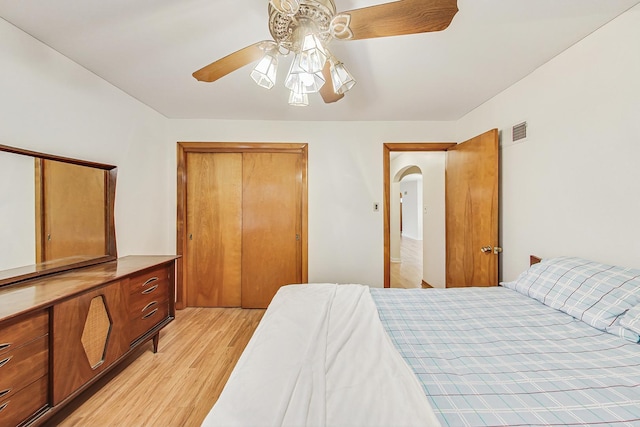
(156, 339)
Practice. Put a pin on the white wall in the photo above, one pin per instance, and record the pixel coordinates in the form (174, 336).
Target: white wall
(573, 188)
(50, 104)
(345, 179)
(411, 190)
(432, 165)
(17, 211)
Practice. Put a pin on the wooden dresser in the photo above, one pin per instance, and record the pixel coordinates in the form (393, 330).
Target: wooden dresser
(60, 333)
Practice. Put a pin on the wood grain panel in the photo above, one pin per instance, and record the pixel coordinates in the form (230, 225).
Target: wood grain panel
(74, 221)
(214, 229)
(17, 332)
(71, 367)
(28, 296)
(272, 224)
(182, 236)
(402, 17)
(472, 211)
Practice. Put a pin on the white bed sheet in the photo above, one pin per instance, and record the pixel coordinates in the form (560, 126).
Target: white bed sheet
(298, 368)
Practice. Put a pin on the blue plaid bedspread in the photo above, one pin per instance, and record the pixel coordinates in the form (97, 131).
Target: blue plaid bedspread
(494, 357)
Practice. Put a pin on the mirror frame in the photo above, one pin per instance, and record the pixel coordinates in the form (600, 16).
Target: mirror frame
(14, 275)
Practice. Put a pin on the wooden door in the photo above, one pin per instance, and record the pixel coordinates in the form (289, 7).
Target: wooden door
(472, 212)
(214, 229)
(245, 221)
(271, 225)
(73, 214)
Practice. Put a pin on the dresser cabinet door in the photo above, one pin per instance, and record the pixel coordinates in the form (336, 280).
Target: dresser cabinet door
(90, 332)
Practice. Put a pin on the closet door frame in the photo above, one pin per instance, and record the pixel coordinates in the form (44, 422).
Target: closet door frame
(183, 148)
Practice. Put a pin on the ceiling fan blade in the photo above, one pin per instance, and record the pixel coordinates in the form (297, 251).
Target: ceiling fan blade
(326, 91)
(230, 63)
(401, 17)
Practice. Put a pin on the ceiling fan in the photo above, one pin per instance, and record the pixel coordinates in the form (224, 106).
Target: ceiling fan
(305, 28)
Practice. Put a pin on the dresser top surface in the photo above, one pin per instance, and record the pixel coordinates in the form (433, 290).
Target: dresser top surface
(45, 291)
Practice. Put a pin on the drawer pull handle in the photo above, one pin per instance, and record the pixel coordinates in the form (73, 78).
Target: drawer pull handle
(149, 290)
(3, 393)
(4, 405)
(151, 304)
(5, 361)
(5, 346)
(151, 313)
(153, 279)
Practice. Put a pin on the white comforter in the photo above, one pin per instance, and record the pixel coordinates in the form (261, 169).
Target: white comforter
(320, 357)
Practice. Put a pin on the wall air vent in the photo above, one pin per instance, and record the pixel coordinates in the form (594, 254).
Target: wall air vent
(519, 132)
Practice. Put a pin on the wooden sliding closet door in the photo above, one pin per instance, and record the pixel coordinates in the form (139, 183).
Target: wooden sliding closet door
(271, 225)
(243, 236)
(214, 228)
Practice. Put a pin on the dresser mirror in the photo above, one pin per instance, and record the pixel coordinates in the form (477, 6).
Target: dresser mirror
(56, 213)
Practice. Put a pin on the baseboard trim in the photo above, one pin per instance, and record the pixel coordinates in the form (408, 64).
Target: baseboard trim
(425, 285)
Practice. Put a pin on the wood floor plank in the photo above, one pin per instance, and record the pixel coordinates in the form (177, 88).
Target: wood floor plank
(176, 386)
(408, 273)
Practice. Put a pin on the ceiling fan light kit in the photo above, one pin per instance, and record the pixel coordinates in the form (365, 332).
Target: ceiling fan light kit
(264, 74)
(341, 78)
(306, 27)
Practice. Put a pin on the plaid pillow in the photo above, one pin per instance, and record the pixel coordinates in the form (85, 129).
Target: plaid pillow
(595, 293)
(631, 319)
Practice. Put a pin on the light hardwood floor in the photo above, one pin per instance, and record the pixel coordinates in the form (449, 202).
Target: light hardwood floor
(408, 273)
(176, 386)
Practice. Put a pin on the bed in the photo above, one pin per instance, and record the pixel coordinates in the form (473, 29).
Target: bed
(557, 346)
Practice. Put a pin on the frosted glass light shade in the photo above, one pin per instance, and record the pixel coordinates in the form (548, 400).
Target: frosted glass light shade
(341, 78)
(298, 99)
(264, 74)
(312, 54)
(301, 81)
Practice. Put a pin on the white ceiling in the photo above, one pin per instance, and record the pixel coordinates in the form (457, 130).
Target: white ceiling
(149, 48)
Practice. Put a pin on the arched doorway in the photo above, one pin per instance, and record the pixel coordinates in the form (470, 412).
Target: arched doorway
(406, 228)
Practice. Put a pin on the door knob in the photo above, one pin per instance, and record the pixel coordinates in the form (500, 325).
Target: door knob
(485, 249)
(497, 250)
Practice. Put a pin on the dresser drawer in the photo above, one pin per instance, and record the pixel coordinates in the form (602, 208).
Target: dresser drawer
(17, 332)
(23, 404)
(23, 366)
(143, 321)
(155, 278)
(140, 300)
